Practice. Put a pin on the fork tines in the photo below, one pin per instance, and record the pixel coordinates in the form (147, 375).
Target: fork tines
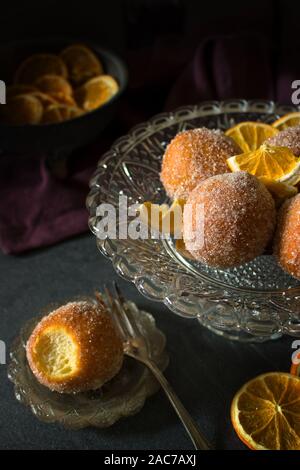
(120, 314)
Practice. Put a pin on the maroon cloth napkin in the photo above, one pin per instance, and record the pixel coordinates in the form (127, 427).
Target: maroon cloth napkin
(37, 209)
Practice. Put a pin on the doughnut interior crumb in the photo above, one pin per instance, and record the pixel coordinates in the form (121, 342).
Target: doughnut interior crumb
(56, 353)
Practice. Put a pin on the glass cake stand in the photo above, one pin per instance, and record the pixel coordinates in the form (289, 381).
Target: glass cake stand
(254, 302)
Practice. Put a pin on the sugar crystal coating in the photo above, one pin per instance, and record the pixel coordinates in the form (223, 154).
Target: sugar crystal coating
(84, 337)
(287, 237)
(238, 219)
(289, 137)
(192, 156)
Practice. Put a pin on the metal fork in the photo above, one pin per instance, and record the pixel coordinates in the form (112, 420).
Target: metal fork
(135, 345)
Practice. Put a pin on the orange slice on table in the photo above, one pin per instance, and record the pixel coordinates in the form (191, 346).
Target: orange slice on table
(81, 62)
(19, 89)
(250, 135)
(96, 92)
(265, 412)
(274, 163)
(40, 64)
(59, 113)
(22, 109)
(288, 120)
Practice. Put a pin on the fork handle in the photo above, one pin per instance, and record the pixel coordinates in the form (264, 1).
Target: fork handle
(191, 427)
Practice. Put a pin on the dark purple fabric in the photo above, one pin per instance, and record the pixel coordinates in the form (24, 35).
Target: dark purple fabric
(223, 68)
(37, 209)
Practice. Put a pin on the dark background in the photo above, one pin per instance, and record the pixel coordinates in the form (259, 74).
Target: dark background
(137, 23)
(158, 39)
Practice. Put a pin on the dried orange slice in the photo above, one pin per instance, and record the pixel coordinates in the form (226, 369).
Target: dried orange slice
(52, 115)
(81, 62)
(275, 163)
(66, 100)
(58, 113)
(54, 85)
(96, 92)
(181, 248)
(250, 135)
(69, 112)
(288, 120)
(279, 191)
(265, 412)
(163, 218)
(58, 88)
(46, 100)
(19, 89)
(23, 109)
(40, 64)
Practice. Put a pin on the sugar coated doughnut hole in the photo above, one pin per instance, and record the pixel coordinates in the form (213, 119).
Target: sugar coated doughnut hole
(238, 215)
(75, 348)
(192, 156)
(289, 137)
(287, 237)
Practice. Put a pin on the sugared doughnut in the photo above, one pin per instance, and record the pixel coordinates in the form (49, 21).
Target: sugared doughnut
(75, 348)
(287, 237)
(238, 215)
(192, 156)
(289, 137)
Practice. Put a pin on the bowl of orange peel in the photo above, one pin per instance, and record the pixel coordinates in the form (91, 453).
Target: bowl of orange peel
(265, 412)
(60, 94)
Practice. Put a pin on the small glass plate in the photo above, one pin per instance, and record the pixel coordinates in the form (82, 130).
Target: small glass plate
(124, 395)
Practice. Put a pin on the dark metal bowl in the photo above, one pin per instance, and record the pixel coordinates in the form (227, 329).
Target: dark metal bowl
(64, 137)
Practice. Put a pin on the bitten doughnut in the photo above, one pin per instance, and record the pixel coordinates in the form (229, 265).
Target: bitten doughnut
(75, 348)
(238, 216)
(287, 237)
(192, 156)
(289, 137)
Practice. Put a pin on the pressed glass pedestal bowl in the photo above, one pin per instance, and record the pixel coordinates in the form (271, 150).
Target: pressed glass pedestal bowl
(255, 302)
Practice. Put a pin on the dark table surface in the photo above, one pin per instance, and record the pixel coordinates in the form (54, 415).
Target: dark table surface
(204, 369)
